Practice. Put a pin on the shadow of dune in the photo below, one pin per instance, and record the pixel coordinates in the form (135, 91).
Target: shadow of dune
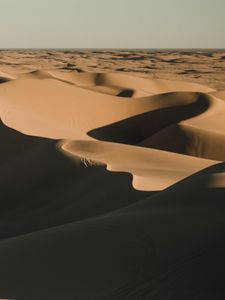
(126, 93)
(4, 79)
(132, 58)
(41, 188)
(135, 129)
(201, 181)
(168, 246)
(189, 141)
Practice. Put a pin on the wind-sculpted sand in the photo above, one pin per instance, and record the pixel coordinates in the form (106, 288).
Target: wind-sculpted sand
(112, 185)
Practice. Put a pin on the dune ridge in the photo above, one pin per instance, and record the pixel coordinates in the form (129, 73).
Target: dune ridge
(131, 119)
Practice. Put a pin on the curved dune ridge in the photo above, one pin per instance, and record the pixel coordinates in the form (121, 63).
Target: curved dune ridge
(5, 77)
(73, 230)
(171, 117)
(152, 169)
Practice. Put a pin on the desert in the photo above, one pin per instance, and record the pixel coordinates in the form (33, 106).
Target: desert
(112, 174)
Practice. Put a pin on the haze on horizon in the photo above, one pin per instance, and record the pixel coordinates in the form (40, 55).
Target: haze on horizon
(112, 24)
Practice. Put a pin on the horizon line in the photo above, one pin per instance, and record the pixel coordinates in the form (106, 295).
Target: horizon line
(108, 48)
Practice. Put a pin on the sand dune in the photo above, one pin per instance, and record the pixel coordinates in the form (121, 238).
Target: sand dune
(168, 245)
(5, 77)
(162, 170)
(112, 184)
(33, 105)
(203, 67)
(189, 140)
(219, 94)
(26, 101)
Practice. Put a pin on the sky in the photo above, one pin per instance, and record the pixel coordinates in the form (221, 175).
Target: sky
(112, 23)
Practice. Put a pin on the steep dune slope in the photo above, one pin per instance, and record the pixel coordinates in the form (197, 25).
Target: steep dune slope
(167, 246)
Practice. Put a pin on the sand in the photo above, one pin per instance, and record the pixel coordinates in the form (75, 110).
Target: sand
(112, 175)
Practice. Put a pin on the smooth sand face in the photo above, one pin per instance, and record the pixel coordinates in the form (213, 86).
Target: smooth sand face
(74, 230)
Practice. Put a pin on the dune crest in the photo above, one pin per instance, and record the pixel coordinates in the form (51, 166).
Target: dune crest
(151, 169)
(124, 109)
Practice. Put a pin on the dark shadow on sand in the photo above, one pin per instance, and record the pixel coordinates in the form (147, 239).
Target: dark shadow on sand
(135, 129)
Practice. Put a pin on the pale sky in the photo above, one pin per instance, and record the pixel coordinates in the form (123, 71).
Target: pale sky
(112, 24)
